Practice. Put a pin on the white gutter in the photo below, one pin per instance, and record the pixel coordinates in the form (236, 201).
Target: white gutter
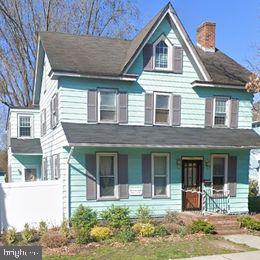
(54, 75)
(164, 146)
(68, 181)
(212, 85)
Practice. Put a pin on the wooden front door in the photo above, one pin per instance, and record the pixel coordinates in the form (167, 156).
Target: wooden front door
(191, 184)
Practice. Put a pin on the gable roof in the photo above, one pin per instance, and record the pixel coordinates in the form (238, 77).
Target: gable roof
(223, 69)
(156, 136)
(93, 56)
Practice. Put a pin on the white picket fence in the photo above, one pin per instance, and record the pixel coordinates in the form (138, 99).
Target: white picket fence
(30, 202)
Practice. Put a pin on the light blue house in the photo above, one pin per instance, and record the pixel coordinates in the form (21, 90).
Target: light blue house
(153, 121)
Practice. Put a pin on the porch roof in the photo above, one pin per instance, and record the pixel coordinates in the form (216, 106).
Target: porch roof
(110, 135)
(26, 146)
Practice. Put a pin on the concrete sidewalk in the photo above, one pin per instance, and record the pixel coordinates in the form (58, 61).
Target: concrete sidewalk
(249, 240)
(253, 255)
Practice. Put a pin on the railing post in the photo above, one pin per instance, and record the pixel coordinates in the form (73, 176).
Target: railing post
(228, 202)
(203, 202)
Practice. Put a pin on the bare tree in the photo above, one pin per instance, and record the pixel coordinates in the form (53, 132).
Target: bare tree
(21, 20)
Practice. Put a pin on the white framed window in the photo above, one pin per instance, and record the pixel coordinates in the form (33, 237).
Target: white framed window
(160, 174)
(107, 106)
(31, 173)
(162, 52)
(221, 111)
(25, 126)
(162, 111)
(219, 170)
(107, 176)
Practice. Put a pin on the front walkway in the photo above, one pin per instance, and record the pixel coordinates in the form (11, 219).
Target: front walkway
(252, 255)
(249, 240)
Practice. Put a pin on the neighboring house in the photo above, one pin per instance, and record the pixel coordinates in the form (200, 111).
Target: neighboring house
(254, 172)
(140, 122)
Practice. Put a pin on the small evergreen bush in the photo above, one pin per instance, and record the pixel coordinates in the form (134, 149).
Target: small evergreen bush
(43, 228)
(28, 234)
(143, 215)
(249, 223)
(125, 235)
(144, 229)
(10, 236)
(82, 236)
(100, 233)
(161, 231)
(202, 226)
(84, 217)
(116, 216)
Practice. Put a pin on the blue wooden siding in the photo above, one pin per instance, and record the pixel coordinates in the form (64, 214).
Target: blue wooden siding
(157, 206)
(18, 162)
(193, 99)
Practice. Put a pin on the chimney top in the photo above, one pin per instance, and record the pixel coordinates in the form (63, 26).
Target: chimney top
(206, 36)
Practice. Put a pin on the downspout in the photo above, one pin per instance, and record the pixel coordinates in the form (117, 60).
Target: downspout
(68, 181)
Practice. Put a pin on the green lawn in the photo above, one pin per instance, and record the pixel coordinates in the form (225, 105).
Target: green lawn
(158, 250)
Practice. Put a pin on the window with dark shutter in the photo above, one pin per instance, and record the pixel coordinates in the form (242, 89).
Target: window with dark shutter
(148, 109)
(123, 108)
(92, 106)
(91, 176)
(176, 110)
(177, 63)
(147, 175)
(123, 176)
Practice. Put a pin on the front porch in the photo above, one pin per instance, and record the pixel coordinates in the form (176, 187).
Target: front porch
(189, 184)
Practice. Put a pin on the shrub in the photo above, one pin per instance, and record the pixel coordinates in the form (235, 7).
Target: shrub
(100, 233)
(144, 229)
(137, 228)
(43, 228)
(143, 214)
(249, 223)
(161, 231)
(125, 235)
(253, 189)
(65, 229)
(84, 217)
(202, 226)
(10, 236)
(53, 239)
(183, 231)
(116, 217)
(173, 217)
(28, 234)
(82, 235)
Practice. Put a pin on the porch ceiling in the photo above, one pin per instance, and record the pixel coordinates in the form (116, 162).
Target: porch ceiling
(155, 136)
(26, 146)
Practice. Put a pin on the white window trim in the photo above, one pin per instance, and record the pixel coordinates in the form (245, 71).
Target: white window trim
(226, 169)
(170, 108)
(167, 177)
(116, 189)
(32, 166)
(31, 123)
(227, 123)
(170, 53)
(116, 110)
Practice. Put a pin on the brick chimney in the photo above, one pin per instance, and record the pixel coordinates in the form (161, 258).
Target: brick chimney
(206, 36)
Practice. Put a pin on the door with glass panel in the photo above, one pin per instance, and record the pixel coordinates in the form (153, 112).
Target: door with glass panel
(191, 184)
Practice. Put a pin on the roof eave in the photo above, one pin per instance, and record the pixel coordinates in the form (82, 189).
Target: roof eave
(161, 146)
(214, 84)
(126, 77)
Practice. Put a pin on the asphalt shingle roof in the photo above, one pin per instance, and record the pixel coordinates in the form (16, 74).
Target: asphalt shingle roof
(30, 146)
(103, 56)
(156, 136)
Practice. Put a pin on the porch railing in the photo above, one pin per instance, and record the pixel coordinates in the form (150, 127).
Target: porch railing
(216, 201)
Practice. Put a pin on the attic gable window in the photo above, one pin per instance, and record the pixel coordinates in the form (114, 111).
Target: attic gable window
(161, 55)
(162, 52)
